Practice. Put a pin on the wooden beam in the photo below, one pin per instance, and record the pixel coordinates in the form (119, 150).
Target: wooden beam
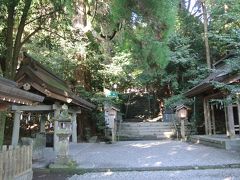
(14, 92)
(232, 78)
(216, 95)
(33, 108)
(49, 93)
(70, 110)
(77, 111)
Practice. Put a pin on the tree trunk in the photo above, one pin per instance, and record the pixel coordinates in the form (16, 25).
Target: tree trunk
(18, 44)
(80, 19)
(205, 19)
(82, 73)
(9, 40)
(10, 60)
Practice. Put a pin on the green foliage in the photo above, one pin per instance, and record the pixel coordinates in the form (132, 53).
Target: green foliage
(190, 27)
(224, 27)
(177, 100)
(184, 69)
(24, 21)
(232, 67)
(148, 25)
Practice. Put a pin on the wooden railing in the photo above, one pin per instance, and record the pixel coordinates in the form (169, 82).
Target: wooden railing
(16, 163)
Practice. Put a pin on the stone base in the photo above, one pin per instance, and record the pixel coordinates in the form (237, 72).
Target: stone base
(61, 166)
(63, 162)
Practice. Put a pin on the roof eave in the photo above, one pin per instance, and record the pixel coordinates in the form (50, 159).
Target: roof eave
(18, 93)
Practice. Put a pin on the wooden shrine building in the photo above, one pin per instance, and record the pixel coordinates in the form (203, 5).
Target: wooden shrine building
(35, 78)
(10, 94)
(221, 108)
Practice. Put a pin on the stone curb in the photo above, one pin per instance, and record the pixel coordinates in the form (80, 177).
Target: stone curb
(169, 168)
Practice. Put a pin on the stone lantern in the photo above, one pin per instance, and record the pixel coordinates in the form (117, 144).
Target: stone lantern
(182, 114)
(63, 132)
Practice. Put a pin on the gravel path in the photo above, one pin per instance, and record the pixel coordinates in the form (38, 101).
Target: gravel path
(222, 174)
(140, 154)
(151, 158)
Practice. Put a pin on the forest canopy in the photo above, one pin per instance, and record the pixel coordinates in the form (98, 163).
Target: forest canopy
(158, 45)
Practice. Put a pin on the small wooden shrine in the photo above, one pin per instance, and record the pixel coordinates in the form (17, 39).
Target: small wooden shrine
(221, 108)
(10, 94)
(35, 78)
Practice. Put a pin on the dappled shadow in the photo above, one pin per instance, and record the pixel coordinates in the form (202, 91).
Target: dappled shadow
(135, 154)
(148, 145)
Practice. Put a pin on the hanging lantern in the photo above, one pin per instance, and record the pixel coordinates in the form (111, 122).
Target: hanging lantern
(182, 111)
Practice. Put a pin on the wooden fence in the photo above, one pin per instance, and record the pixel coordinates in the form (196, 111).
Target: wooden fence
(16, 163)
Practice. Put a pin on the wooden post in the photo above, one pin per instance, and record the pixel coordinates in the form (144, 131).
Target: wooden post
(1, 165)
(16, 159)
(10, 162)
(205, 115)
(209, 119)
(213, 120)
(2, 126)
(113, 135)
(183, 129)
(238, 107)
(16, 127)
(226, 120)
(56, 115)
(230, 121)
(42, 123)
(74, 127)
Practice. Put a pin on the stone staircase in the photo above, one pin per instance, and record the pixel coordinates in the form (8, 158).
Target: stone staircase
(145, 130)
(218, 141)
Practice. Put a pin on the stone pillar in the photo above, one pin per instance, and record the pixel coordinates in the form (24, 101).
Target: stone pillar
(16, 128)
(114, 131)
(183, 129)
(56, 139)
(230, 119)
(42, 123)
(74, 127)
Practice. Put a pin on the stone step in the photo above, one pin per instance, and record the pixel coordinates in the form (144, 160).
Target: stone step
(146, 130)
(140, 138)
(166, 135)
(146, 124)
(137, 131)
(224, 143)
